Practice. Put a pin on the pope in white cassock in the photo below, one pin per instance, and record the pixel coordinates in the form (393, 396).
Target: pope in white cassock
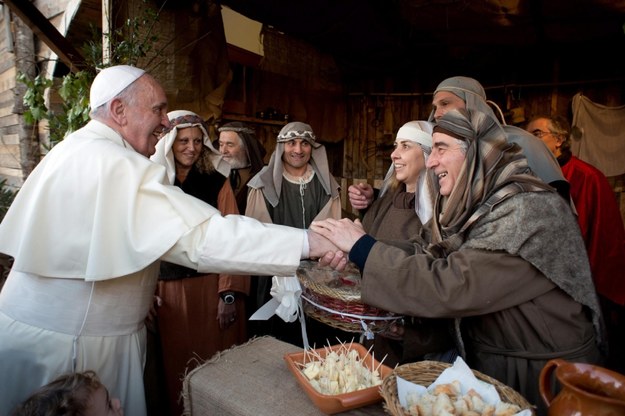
(87, 232)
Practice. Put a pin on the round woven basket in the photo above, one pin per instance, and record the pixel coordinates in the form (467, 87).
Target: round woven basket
(425, 373)
(333, 298)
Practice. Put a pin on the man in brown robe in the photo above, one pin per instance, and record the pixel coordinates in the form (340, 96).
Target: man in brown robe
(504, 258)
(239, 147)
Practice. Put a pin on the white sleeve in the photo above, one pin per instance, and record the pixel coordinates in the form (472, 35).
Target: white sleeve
(240, 245)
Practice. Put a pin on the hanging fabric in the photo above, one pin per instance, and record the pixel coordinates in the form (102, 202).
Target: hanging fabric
(598, 135)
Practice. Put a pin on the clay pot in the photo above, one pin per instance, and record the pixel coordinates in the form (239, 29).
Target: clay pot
(586, 390)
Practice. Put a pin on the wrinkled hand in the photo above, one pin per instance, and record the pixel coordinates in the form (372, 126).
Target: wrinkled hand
(360, 195)
(343, 233)
(337, 260)
(226, 314)
(319, 245)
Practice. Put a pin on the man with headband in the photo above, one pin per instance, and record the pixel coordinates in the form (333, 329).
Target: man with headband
(239, 147)
(484, 264)
(88, 230)
(294, 189)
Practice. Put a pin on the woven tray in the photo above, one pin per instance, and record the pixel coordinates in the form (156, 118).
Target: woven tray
(425, 373)
(333, 298)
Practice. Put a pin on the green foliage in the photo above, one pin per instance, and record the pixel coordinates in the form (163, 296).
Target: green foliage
(34, 98)
(74, 114)
(6, 198)
(128, 44)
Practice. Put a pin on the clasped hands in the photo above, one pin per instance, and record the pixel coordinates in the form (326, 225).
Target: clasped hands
(331, 241)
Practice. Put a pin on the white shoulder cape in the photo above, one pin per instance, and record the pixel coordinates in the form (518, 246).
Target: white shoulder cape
(95, 209)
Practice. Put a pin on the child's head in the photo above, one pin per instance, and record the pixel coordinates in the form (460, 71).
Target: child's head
(77, 394)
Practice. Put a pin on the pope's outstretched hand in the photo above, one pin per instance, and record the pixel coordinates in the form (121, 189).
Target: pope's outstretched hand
(319, 246)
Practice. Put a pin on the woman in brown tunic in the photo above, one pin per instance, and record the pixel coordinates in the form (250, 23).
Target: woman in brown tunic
(402, 207)
(200, 314)
(505, 259)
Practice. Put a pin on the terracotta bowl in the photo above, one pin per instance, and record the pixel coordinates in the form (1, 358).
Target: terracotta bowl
(331, 404)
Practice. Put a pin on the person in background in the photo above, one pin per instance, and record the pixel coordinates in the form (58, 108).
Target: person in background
(295, 188)
(402, 207)
(87, 232)
(245, 154)
(198, 314)
(600, 221)
(484, 264)
(75, 394)
(464, 92)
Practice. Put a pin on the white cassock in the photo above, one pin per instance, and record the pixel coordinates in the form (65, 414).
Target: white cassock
(87, 231)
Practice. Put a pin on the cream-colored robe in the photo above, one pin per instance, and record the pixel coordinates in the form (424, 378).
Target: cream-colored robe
(87, 231)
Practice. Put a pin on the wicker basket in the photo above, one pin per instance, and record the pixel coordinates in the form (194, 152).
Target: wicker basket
(425, 373)
(333, 298)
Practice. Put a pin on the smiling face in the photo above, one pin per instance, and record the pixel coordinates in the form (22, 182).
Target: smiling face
(446, 161)
(296, 155)
(408, 162)
(445, 101)
(144, 115)
(187, 147)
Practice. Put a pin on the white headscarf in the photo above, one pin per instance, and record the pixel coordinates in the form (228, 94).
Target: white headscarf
(182, 119)
(419, 132)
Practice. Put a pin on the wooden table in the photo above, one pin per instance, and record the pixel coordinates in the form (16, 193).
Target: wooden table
(253, 380)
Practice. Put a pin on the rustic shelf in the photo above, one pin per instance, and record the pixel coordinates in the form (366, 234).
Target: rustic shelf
(248, 119)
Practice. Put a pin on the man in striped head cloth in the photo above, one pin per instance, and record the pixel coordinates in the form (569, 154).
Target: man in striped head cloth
(485, 263)
(464, 92)
(295, 188)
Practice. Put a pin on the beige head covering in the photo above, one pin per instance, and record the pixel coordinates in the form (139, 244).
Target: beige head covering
(110, 82)
(539, 158)
(164, 155)
(298, 130)
(491, 162)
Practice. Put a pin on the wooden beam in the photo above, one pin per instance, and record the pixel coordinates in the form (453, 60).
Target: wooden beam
(49, 34)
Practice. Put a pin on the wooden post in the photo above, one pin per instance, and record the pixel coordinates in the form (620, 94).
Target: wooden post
(106, 30)
(46, 31)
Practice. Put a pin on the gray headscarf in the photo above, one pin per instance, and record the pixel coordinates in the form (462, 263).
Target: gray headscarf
(492, 172)
(539, 158)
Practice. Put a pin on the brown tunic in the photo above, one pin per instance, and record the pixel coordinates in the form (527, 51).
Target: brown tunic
(393, 216)
(514, 317)
(187, 320)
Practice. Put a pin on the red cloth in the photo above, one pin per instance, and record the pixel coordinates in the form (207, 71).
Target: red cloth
(602, 227)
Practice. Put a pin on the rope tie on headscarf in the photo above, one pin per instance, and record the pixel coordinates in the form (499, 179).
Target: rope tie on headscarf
(302, 191)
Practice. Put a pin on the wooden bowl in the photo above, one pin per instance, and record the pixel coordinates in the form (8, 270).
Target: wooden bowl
(331, 404)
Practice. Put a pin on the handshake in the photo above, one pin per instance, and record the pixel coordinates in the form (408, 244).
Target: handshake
(331, 240)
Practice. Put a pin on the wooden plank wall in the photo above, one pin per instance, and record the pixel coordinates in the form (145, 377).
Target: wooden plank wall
(368, 145)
